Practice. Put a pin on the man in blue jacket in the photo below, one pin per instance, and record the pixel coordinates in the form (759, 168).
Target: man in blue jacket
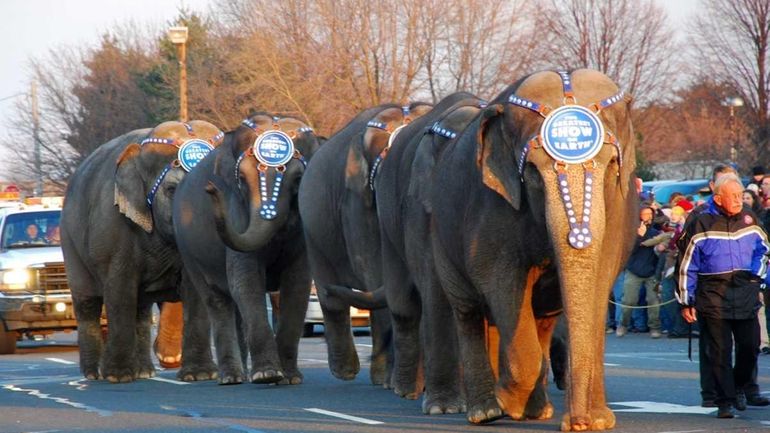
(640, 272)
(723, 266)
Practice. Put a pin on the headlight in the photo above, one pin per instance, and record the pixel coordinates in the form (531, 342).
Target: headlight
(15, 278)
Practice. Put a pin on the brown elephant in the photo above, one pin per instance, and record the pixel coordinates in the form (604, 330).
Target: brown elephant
(536, 179)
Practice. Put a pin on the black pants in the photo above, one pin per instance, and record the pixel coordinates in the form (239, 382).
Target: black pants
(719, 378)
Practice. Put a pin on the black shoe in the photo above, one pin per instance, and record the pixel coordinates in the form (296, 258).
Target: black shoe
(757, 400)
(725, 412)
(708, 403)
(765, 350)
(740, 401)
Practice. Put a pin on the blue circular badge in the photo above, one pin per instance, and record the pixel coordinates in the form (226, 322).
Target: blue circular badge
(572, 134)
(191, 152)
(274, 148)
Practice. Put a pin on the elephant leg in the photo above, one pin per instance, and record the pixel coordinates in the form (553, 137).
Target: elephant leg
(197, 361)
(521, 357)
(538, 400)
(222, 315)
(144, 368)
(382, 358)
(168, 343)
(295, 291)
(443, 376)
(558, 353)
(119, 358)
(89, 311)
(342, 355)
(246, 278)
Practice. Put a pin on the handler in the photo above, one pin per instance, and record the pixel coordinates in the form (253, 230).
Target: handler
(723, 266)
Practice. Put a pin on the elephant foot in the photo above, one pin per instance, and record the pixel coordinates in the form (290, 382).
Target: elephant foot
(91, 373)
(230, 376)
(292, 378)
(345, 370)
(267, 376)
(437, 405)
(119, 378)
(118, 374)
(168, 343)
(538, 406)
(409, 393)
(145, 372)
(484, 412)
(599, 419)
(513, 402)
(197, 373)
(378, 372)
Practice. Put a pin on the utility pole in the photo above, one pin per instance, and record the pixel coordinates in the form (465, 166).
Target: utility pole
(36, 137)
(178, 37)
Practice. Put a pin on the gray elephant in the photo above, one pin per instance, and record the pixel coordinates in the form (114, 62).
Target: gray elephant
(338, 212)
(120, 252)
(420, 312)
(238, 230)
(536, 179)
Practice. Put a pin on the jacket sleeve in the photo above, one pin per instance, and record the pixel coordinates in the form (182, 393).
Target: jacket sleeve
(760, 256)
(688, 264)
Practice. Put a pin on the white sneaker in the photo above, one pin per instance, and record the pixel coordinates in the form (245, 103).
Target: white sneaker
(655, 333)
(621, 331)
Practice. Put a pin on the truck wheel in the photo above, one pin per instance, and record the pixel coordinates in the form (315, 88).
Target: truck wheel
(7, 342)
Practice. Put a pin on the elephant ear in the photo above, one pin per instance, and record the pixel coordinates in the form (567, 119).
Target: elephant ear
(629, 153)
(357, 172)
(130, 194)
(498, 172)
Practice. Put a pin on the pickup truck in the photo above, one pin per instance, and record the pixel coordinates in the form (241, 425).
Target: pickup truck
(35, 299)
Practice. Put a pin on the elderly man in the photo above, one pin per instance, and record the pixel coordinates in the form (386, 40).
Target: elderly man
(724, 263)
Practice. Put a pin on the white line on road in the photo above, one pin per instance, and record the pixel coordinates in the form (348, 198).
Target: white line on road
(68, 402)
(163, 379)
(682, 431)
(364, 345)
(343, 416)
(607, 364)
(319, 361)
(61, 361)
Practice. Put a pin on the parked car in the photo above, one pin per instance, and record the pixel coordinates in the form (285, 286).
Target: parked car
(35, 299)
(314, 315)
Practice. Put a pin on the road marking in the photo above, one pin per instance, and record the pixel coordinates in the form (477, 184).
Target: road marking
(163, 379)
(607, 364)
(38, 394)
(682, 431)
(213, 421)
(34, 380)
(343, 416)
(364, 345)
(658, 407)
(61, 361)
(318, 361)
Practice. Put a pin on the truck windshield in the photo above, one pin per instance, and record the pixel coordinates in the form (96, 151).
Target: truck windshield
(31, 229)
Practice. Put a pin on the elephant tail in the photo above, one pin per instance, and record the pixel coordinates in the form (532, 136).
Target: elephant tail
(367, 300)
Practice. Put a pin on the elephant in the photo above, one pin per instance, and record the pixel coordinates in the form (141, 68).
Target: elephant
(529, 189)
(419, 311)
(338, 211)
(120, 252)
(238, 231)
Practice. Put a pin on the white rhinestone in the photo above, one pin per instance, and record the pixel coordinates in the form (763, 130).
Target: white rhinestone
(572, 240)
(589, 181)
(567, 198)
(563, 183)
(565, 190)
(576, 230)
(588, 188)
(587, 211)
(588, 196)
(588, 239)
(572, 220)
(585, 231)
(587, 204)
(571, 212)
(569, 205)
(580, 245)
(581, 237)
(585, 219)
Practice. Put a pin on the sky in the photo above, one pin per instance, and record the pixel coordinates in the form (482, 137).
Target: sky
(31, 28)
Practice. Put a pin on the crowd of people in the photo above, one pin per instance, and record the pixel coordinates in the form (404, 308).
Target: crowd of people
(699, 269)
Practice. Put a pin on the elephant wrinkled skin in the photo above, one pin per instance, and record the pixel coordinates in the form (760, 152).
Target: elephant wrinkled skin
(120, 253)
(495, 224)
(234, 256)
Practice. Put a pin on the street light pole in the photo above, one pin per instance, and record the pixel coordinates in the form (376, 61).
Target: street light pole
(732, 103)
(178, 36)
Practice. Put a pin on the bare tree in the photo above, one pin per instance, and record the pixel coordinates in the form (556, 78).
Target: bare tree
(629, 40)
(731, 38)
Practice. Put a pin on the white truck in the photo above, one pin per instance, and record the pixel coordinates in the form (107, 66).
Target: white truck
(35, 299)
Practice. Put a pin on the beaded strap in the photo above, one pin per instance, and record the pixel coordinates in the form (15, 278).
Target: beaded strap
(156, 185)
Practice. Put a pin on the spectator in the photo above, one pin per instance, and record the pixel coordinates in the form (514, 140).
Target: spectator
(764, 192)
(640, 271)
(751, 200)
(677, 327)
(716, 289)
(757, 174)
(53, 235)
(32, 234)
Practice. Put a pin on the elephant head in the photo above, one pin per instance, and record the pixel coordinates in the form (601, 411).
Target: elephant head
(256, 179)
(561, 146)
(147, 173)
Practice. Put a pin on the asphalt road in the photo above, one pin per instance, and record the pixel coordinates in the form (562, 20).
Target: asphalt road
(651, 386)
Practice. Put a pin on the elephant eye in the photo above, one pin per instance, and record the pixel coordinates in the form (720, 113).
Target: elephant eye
(171, 189)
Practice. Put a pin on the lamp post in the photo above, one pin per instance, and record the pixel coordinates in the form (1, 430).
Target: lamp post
(732, 103)
(178, 37)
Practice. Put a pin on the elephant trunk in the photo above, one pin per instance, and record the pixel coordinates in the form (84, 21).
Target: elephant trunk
(367, 300)
(258, 232)
(584, 293)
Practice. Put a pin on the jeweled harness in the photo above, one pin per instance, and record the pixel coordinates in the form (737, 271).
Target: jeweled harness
(274, 149)
(182, 146)
(571, 134)
(374, 123)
